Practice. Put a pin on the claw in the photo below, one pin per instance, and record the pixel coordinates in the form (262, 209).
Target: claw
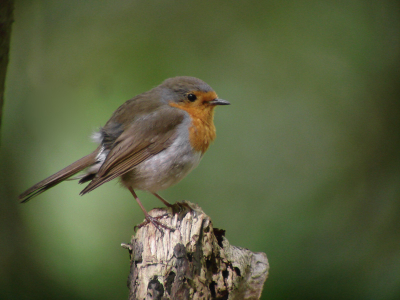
(180, 207)
(149, 219)
(157, 224)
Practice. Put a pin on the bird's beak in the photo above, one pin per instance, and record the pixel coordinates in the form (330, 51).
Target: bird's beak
(218, 101)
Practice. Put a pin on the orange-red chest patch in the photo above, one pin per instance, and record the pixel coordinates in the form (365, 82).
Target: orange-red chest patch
(202, 130)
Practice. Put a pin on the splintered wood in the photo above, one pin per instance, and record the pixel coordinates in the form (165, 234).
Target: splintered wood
(194, 261)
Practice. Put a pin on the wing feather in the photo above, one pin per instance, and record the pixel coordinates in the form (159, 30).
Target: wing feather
(143, 139)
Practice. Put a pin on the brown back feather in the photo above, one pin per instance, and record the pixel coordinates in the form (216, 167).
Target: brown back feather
(137, 143)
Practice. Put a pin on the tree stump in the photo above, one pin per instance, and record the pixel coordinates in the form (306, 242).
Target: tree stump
(194, 261)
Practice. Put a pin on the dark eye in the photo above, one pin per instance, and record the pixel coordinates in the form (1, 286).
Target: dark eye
(191, 97)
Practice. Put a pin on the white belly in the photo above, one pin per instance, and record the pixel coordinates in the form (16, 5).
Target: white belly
(165, 168)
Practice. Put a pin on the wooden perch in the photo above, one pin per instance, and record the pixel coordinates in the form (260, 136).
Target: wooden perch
(195, 261)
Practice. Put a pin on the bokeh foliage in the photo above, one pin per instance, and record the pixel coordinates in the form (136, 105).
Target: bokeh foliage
(306, 166)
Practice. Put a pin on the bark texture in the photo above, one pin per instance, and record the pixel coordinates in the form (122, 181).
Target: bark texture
(195, 261)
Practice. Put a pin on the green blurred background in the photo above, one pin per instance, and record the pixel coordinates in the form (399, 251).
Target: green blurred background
(305, 168)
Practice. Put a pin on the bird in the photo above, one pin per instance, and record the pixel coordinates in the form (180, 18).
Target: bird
(151, 142)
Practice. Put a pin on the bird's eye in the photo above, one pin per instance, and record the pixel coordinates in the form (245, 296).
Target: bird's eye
(191, 97)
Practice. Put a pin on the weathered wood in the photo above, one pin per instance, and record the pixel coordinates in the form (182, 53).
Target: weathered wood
(195, 261)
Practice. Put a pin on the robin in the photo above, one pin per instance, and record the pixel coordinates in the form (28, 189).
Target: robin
(151, 142)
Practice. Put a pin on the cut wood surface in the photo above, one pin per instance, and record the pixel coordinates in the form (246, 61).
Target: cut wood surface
(194, 261)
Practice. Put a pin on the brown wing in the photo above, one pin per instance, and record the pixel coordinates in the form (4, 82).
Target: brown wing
(145, 137)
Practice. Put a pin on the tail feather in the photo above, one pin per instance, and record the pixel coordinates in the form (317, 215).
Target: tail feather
(58, 177)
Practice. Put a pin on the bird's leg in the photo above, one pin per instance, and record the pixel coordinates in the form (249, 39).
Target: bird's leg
(166, 203)
(180, 205)
(149, 219)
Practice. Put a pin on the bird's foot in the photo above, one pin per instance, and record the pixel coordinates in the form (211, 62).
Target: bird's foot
(177, 208)
(155, 221)
(180, 208)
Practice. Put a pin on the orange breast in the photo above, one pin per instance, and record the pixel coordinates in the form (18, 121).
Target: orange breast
(202, 129)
